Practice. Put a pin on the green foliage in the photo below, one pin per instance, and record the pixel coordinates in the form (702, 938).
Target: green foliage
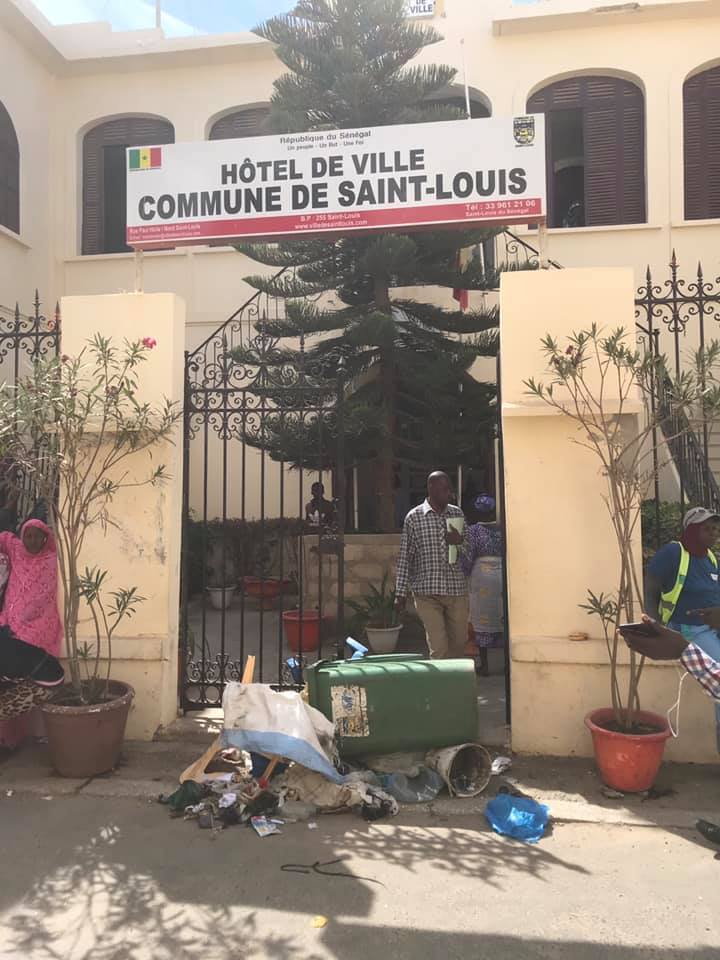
(670, 525)
(77, 430)
(350, 64)
(376, 609)
(221, 552)
(601, 381)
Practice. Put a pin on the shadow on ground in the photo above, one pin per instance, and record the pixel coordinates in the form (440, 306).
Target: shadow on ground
(89, 888)
(87, 879)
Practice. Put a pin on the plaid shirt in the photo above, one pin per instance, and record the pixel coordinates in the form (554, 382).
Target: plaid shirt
(705, 670)
(423, 562)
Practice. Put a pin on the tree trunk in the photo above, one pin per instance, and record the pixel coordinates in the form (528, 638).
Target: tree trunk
(385, 469)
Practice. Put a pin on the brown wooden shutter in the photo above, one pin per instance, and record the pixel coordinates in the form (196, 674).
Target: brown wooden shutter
(9, 173)
(614, 145)
(701, 111)
(123, 131)
(242, 123)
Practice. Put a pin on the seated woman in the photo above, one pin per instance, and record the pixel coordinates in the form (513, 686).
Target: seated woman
(30, 628)
(483, 565)
(27, 675)
(30, 605)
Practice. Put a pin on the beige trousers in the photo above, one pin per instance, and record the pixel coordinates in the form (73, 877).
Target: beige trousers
(446, 624)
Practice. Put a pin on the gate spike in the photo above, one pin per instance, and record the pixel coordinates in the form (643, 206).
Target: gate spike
(37, 303)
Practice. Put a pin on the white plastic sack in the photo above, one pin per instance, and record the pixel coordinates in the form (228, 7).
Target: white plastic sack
(278, 724)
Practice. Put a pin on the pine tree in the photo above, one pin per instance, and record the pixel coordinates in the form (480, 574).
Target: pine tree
(349, 65)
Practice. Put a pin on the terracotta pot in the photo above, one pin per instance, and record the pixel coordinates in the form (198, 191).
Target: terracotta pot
(266, 589)
(628, 762)
(302, 631)
(86, 741)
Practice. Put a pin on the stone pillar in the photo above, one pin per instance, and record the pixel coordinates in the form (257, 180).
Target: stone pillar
(143, 550)
(560, 540)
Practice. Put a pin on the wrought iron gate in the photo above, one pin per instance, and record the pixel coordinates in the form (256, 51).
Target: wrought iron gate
(25, 339)
(673, 318)
(258, 575)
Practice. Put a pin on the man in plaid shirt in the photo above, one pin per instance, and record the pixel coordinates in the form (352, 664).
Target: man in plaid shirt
(438, 586)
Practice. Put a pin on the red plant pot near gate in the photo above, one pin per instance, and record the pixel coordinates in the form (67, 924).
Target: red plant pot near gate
(266, 589)
(302, 630)
(626, 761)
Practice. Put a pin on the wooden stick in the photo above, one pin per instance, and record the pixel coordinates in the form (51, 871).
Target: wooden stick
(249, 671)
(196, 771)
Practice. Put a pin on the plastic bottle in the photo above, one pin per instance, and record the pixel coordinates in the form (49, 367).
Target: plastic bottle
(420, 789)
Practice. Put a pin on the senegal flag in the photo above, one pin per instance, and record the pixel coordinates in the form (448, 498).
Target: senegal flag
(145, 158)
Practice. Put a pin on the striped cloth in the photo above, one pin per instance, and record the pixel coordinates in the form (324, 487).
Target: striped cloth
(705, 670)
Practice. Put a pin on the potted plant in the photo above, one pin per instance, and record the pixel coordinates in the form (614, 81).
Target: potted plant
(377, 615)
(596, 380)
(302, 630)
(80, 435)
(263, 586)
(221, 574)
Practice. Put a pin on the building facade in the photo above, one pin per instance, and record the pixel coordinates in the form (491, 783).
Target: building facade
(631, 92)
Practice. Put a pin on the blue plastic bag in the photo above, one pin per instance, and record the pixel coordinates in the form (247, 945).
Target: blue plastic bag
(518, 817)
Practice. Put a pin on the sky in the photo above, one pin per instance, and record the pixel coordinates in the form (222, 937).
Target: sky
(180, 17)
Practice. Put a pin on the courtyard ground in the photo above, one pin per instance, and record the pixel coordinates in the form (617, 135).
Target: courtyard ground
(98, 870)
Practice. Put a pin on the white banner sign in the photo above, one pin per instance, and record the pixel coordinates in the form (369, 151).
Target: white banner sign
(420, 8)
(457, 172)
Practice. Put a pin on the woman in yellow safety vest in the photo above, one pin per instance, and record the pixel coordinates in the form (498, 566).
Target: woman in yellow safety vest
(682, 579)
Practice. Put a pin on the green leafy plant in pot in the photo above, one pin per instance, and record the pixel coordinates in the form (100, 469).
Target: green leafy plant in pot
(221, 572)
(377, 616)
(628, 411)
(79, 434)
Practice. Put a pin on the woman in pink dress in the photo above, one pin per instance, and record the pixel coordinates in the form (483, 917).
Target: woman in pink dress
(30, 605)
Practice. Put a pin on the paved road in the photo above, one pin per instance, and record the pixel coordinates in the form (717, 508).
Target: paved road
(93, 879)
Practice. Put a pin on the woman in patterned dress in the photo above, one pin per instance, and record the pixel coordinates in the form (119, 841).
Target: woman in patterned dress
(483, 566)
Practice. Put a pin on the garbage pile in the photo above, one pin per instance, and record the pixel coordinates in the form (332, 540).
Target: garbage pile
(277, 762)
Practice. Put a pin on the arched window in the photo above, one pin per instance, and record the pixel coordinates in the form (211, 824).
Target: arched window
(104, 177)
(9, 173)
(701, 107)
(249, 122)
(595, 129)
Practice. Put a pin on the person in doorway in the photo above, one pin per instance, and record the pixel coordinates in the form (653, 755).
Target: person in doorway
(30, 605)
(483, 566)
(319, 510)
(425, 567)
(682, 578)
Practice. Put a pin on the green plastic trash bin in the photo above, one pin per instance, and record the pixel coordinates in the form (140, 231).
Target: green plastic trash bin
(396, 703)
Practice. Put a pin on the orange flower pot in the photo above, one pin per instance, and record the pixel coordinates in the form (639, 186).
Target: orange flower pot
(626, 761)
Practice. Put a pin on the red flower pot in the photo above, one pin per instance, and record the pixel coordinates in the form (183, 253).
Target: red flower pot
(265, 589)
(302, 630)
(626, 761)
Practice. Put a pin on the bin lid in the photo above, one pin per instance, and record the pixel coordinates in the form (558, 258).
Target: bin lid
(370, 661)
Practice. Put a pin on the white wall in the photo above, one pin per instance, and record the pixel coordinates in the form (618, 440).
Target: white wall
(29, 95)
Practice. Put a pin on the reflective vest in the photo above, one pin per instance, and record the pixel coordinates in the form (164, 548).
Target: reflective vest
(669, 600)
